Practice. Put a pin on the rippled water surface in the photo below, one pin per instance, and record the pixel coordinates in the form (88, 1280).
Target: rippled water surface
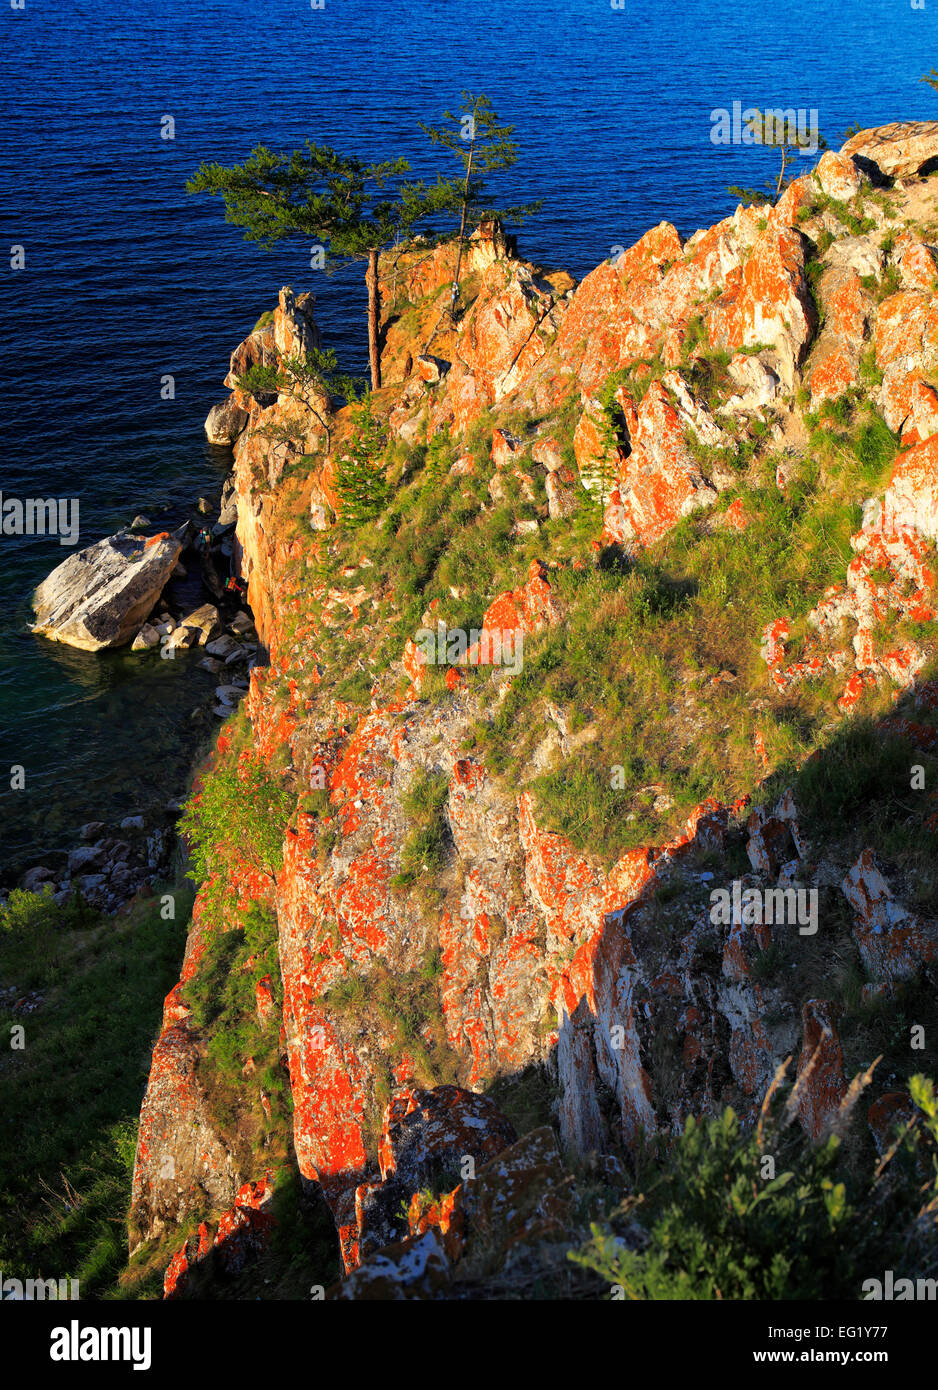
(127, 279)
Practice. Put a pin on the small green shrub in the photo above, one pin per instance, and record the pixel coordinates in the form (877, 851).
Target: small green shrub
(722, 1224)
(238, 808)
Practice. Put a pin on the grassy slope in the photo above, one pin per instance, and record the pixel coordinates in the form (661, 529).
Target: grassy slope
(70, 1099)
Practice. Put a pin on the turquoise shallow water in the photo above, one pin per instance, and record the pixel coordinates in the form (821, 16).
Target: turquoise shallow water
(127, 279)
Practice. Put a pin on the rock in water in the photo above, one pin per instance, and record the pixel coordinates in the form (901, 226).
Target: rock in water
(147, 637)
(100, 596)
(205, 620)
(223, 647)
(224, 422)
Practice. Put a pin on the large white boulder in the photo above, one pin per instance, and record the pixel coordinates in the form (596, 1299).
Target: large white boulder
(100, 596)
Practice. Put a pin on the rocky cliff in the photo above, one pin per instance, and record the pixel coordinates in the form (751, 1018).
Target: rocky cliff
(649, 614)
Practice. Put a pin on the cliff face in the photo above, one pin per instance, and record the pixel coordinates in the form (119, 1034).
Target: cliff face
(454, 972)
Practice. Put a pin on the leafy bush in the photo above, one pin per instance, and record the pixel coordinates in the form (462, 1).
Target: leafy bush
(31, 930)
(716, 1228)
(238, 808)
(28, 914)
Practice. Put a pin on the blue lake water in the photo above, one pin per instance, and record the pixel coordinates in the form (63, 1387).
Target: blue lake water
(127, 279)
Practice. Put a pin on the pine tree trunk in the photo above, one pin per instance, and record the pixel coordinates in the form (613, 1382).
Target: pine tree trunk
(462, 224)
(371, 280)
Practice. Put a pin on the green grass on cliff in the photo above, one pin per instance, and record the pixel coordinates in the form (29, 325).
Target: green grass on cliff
(656, 672)
(240, 1059)
(440, 537)
(655, 675)
(237, 811)
(70, 1097)
(404, 1007)
(425, 849)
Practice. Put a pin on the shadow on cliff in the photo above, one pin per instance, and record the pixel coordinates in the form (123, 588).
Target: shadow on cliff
(873, 784)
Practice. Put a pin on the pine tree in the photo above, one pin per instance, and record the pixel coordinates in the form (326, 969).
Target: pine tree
(782, 135)
(483, 146)
(316, 192)
(359, 476)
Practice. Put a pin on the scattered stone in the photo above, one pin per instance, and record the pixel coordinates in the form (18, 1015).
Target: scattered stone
(838, 176)
(228, 511)
(430, 369)
(893, 942)
(223, 647)
(562, 495)
(91, 886)
(548, 453)
(34, 878)
(147, 637)
(156, 844)
(820, 1068)
(229, 694)
(205, 621)
(183, 637)
(758, 384)
(86, 857)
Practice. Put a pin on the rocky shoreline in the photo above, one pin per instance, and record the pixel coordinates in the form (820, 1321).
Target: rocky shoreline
(111, 862)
